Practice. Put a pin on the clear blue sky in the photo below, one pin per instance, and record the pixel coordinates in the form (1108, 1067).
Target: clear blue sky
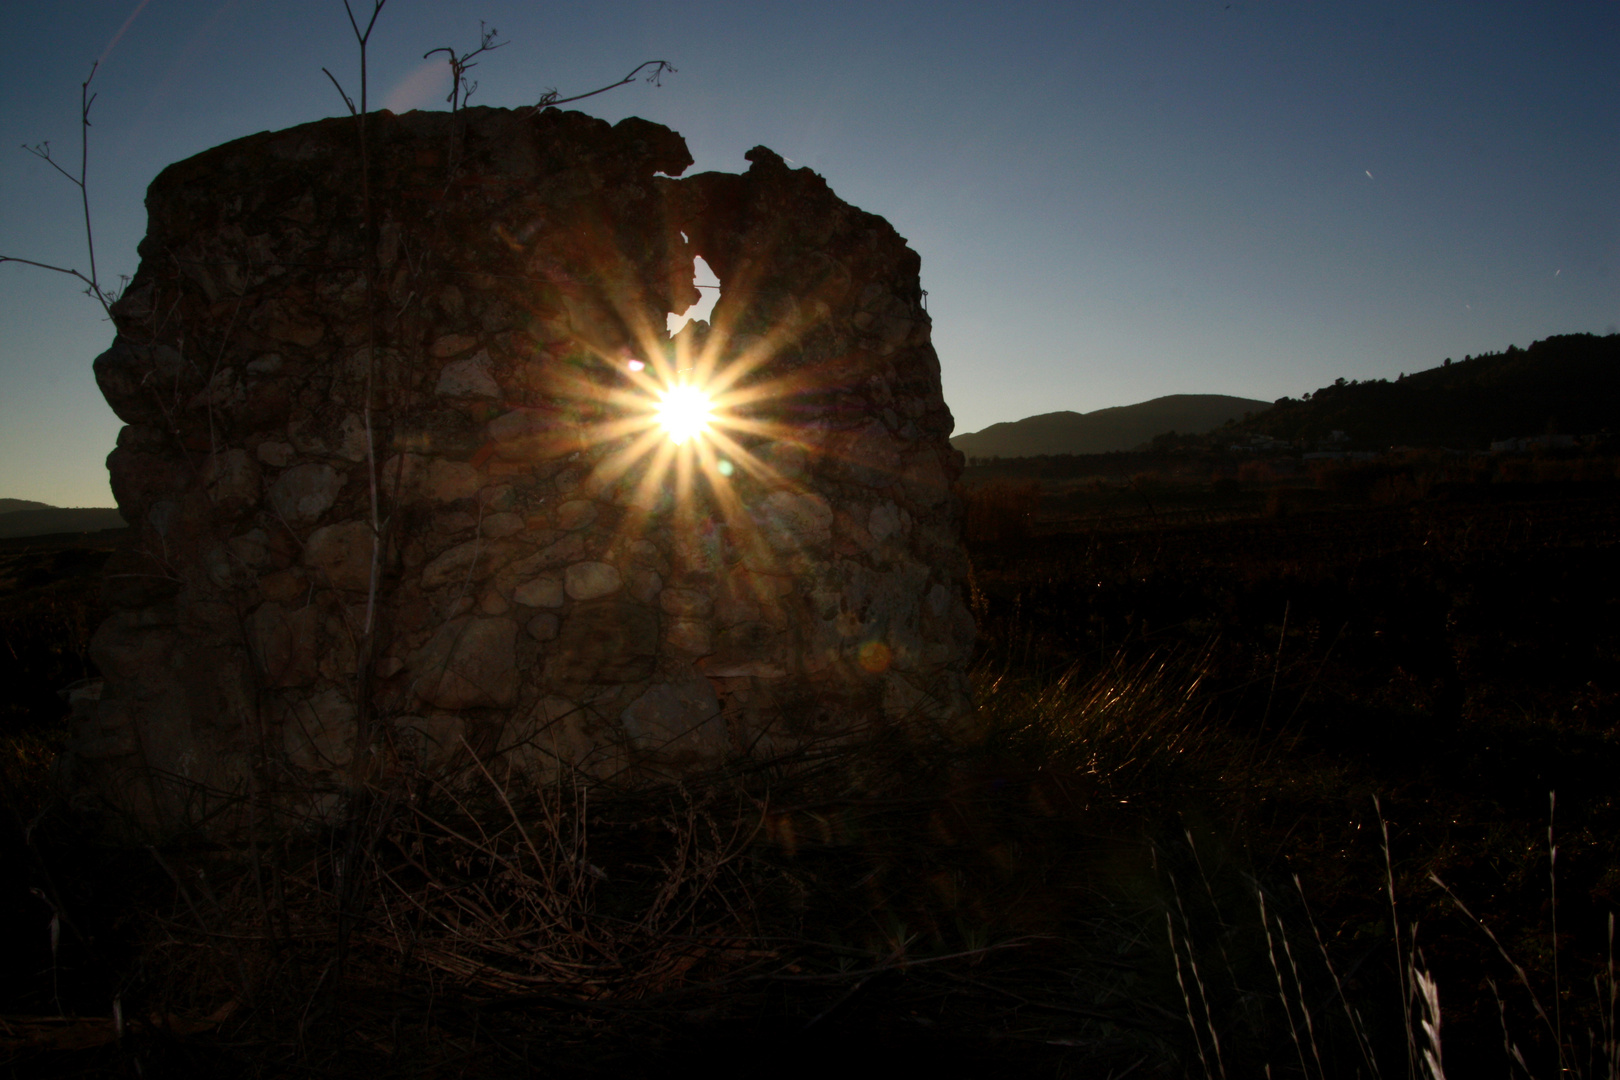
(1112, 201)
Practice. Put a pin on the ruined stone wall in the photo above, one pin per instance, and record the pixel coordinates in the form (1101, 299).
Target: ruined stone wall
(395, 482)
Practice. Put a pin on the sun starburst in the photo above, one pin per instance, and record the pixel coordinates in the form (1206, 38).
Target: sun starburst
(690, 431)
(684, 410)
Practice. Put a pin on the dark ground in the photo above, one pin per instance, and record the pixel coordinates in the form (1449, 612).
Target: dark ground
(1277, 651)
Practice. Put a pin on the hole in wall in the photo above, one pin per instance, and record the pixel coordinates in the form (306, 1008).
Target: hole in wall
(707, 284)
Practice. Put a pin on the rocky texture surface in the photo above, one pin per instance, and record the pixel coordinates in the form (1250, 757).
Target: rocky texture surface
(396, 489)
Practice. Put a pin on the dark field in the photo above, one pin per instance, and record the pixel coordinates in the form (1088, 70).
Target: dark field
(1162, 858)
(49, 605)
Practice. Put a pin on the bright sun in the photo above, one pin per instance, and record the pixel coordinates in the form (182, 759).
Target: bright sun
(684, 411)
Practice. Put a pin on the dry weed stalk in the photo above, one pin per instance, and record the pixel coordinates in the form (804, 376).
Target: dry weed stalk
(475, 887)
(1193, 1018)
(511, 901)
(1603, 1050)
(92, 282)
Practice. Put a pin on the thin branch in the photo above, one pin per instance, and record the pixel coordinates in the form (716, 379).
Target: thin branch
(42, 150)
(660, 67)
(48, 266)
(87, 99)
(365, 39)
(460, 90)
(339, 87)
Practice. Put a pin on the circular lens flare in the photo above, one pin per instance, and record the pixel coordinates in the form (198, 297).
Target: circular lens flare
(684, 411)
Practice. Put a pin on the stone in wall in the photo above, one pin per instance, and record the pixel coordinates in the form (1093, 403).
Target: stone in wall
(397, 487)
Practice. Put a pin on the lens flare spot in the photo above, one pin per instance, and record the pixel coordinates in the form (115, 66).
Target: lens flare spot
(875, 657)
(636, 365)
(684, 411)
(725, 467)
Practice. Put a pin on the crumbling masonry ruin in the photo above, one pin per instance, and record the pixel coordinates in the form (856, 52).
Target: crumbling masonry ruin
(395, 483)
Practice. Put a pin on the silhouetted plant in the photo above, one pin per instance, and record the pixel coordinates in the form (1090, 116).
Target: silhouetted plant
(92, 281)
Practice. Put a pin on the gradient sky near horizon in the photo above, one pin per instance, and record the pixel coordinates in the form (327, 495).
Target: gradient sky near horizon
(1112, 201)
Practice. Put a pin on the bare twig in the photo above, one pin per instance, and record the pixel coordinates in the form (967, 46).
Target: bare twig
(363, 828)
(42, 150)
(659, 69)
(364, 38)
(460, 89)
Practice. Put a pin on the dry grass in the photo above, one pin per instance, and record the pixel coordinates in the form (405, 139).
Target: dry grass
(505, 900)
(886, 890)
(1089, 888)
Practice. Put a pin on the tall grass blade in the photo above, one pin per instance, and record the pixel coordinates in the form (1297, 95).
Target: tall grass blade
(1401, 961)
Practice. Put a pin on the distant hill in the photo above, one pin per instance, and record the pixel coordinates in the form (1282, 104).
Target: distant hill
(23, 517)
(1124, 427)
(1568, 385)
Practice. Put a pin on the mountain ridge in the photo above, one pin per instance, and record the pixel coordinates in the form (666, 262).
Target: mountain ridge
(1119, 427)
(1565, 384)
(10, 506)
(25, 517)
